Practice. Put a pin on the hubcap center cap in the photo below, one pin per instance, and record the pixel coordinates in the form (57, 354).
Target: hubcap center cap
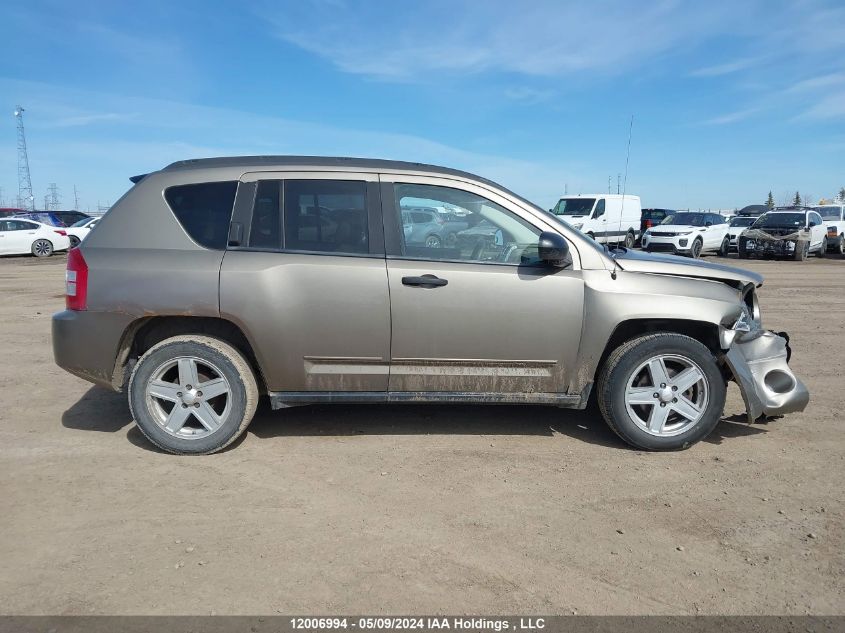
(190, 397)
(665, 394)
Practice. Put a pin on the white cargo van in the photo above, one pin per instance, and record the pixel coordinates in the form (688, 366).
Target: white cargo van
(606, 217)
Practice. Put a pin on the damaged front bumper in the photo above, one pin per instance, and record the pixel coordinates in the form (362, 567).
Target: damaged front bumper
(758, 361)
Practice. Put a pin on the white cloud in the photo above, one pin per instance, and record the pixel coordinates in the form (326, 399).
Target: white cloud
(524, 94)
(731, 117)
(727, 68)
(406, 41)
(826, 107)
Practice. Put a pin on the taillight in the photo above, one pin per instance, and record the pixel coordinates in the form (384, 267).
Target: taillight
(76, 281)
(831, 231)
(649, 224)
(62, 233)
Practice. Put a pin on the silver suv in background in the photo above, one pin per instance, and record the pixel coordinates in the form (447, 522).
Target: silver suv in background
(214, 281)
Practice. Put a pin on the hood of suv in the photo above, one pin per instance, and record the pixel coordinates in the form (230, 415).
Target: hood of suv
(674, 228)
(638, 261)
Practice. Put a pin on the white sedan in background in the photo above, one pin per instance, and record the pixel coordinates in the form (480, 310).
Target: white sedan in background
(690, 233)
(21, 237)
(77, 231)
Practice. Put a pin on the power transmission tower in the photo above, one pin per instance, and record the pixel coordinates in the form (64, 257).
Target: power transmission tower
(25, 196)
(1, 197)
(75, 199)
(54, 197)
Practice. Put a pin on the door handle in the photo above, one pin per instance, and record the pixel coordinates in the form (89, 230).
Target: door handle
(425, 281)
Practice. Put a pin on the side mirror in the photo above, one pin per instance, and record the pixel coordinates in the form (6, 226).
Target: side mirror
(708, 224)
(811, 225)
(553, 249)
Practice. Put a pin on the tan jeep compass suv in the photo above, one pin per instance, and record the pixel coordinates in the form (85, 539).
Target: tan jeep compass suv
(214, 281)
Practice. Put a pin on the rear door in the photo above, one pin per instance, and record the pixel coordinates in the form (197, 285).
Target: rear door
(476, 317)
(21, 236)
(305, 278)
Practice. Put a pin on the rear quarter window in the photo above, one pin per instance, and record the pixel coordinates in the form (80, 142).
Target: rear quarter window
(204, 210)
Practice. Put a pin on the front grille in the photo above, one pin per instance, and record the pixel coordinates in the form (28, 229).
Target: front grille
(663, 234)
(661, 248)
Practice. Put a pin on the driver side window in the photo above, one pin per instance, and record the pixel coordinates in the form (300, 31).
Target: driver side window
(442, 223)
(599, 209)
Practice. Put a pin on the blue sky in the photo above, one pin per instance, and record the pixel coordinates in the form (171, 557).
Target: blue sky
(730, 99)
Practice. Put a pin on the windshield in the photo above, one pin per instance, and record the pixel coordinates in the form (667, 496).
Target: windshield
(686, 219)
(574, 206)
(770, 220)
(742, 221)
(829, 212)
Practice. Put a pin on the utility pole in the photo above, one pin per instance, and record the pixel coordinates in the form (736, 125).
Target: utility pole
(618, 183)
(24, 181)
(46, 201)
(1, 197)
(75, 199)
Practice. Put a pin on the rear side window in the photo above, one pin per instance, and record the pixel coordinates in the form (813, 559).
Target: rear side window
(204, 210)
(328, 216)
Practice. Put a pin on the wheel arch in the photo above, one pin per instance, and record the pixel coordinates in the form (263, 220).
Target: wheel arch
(702, 331)
(144, 333)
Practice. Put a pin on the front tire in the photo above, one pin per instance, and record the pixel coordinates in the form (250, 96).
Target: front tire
(42, 248)
(822, 252)
(695, 249)
(725, 248)
(74, 241)
(661, 392)
(802, 250)
(192, 394)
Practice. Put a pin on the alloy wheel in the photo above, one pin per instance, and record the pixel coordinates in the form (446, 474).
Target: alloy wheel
(666, 395)
(188, 397)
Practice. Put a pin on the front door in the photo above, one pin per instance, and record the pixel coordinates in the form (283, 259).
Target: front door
(305, 277)
(476, 314)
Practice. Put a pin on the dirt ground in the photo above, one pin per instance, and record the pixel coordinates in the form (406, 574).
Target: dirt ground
(419, 509)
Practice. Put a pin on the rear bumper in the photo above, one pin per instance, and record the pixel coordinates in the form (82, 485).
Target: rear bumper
(759, 363)
(86, 344)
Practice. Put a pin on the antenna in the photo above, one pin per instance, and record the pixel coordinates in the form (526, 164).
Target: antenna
(25, 196)
(624, 188)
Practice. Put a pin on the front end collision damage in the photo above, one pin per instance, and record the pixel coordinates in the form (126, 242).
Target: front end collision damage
(758, 361)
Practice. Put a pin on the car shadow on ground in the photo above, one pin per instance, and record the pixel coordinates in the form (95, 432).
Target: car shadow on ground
(105, 411)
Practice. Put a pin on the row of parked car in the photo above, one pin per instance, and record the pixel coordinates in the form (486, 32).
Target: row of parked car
(42, 233)
(794, 232)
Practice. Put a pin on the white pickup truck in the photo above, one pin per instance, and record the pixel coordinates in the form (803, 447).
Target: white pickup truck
(833, 218)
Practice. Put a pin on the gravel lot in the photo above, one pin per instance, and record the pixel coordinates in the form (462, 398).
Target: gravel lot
(419, 509)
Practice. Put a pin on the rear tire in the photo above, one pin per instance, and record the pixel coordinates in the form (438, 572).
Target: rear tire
(42, 248)
(169, 406)
(630, 239)
(689, 413)
(74, 241)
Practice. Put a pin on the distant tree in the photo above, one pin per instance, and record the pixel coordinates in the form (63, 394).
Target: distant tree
(770, 201)
(797, 199)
